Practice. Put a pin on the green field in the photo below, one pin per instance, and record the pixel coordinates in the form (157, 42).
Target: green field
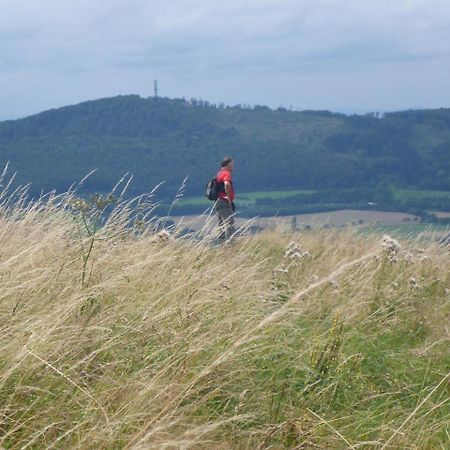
(249, 198)
(408, 229)
(409, 194)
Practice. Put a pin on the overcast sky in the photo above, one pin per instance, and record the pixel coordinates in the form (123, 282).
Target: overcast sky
(344, 55)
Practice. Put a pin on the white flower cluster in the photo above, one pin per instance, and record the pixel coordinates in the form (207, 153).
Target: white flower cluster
(292, 255)
(391, 246)
(294, 251)
(79, 204)
(414, 256)
(393, 249)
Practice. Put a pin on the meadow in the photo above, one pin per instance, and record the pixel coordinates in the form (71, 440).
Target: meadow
(407, 194)
(303, 201)
(114, 334)
(249, 198)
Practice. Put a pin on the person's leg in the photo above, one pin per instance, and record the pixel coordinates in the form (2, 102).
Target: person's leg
(228, 220)
(230, 228)
(222, 230)
(221, 219)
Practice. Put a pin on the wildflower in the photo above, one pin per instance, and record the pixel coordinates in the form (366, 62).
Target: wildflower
(392, 247)
(79, 204)
(413, 283)
(409, 257)
(281, 269)
(391, 243)
(294, 251)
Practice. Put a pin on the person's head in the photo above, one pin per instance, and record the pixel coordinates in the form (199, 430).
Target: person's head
(227, 163)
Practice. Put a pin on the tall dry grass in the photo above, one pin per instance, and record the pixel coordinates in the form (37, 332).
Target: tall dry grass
(116, 336)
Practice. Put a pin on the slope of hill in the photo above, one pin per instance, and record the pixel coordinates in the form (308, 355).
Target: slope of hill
(166, 140)
(115, 337)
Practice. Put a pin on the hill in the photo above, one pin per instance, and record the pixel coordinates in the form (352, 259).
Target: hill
(117, 337)
(160, 139)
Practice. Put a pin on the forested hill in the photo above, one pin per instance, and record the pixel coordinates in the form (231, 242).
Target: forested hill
(159, 139)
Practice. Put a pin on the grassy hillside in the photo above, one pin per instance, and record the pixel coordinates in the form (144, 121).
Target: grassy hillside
(160, 139)
(115, 336)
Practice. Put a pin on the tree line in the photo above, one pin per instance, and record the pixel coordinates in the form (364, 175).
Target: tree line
(166, 140)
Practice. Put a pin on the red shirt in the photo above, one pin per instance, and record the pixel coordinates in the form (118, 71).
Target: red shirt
(222, 176)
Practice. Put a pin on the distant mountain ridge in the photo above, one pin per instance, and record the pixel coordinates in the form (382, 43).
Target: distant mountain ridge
(161, 139)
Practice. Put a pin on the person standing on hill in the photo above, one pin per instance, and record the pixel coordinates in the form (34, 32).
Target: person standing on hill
(224, 206)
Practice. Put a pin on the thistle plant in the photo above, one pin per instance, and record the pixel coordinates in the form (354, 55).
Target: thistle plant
(89, 215)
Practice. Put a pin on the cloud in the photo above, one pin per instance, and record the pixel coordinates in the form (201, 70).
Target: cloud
(212, 39)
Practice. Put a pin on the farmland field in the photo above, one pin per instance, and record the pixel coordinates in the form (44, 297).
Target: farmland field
(282, 200)
(395, 223)
(406, 194)
(331, 218)
(249, 198)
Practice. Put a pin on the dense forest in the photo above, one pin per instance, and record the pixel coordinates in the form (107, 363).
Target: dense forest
(161, 139)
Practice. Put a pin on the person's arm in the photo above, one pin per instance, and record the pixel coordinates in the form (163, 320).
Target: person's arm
(228, 192)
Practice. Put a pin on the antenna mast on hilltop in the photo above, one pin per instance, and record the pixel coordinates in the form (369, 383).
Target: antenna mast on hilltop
(155, 88)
